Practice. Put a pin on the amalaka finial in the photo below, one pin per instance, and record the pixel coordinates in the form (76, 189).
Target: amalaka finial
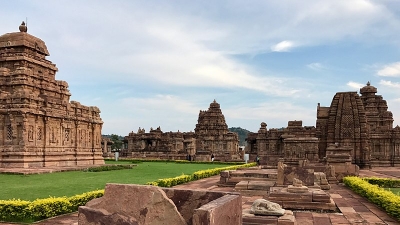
(215, 101)
(368, 83)
(22, 27)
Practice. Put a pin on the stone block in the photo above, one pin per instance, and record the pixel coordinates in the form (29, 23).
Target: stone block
(138, 204)
(283, 195)
(260, 185)
(242, 185)
(223, 180)
(331, 206)
(294, 189)
(251, 219)
(320, 196)
(187, 201)
(224, 173)
(287, 219)
(224, 210)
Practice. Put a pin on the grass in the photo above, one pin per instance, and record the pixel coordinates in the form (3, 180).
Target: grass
(395, 191)
(31, 187)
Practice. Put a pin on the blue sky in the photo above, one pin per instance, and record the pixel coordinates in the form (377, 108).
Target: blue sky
(157, 63)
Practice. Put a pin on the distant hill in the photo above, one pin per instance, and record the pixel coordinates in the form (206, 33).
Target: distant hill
(242, 134)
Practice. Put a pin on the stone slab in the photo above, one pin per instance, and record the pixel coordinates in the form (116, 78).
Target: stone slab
(224, 210)
(242, 185)
(260, 185)
(320, 196)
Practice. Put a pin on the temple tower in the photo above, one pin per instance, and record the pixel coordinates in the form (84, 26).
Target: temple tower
(213, 136)
(39, 126)
(346, 128)
(380, 125)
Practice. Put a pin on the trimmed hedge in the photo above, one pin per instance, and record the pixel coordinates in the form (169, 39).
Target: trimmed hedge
(18, 210)
(169, 182)
(375, 194)
(108, 168)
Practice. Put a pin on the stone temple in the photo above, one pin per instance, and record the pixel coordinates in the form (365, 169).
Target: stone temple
(356, 129)
(39, 126)
(210, 137)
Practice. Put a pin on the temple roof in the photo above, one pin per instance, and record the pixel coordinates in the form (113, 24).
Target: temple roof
(22, 38)
(368, 89)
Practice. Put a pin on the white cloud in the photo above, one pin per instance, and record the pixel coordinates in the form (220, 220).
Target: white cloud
(283, 46)
(316, 66)
(275, 114)
(389, 83)
(355, 85)
(391, 70)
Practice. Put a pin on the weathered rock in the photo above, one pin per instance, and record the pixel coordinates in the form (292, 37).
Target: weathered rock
(267, 208)
(131, 205)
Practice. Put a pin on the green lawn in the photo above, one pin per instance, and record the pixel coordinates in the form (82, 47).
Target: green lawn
(395, 191)
(31, 187)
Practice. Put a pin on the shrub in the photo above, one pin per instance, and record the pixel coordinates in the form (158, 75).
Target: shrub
(377, 195)
(18, 210)
(108, 168)
(49, 207)
(13, 210)
(169, 182)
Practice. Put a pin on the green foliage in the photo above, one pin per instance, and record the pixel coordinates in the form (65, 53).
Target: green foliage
(377, 195)
(242, 133)
(108, 168)
(117, 142)
(18, 210)
(13, 210)
(169, 182)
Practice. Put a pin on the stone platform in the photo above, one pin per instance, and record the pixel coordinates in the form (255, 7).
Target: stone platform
(353, 208)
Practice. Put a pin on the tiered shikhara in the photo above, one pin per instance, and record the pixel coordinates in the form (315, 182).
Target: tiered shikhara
(39, 126)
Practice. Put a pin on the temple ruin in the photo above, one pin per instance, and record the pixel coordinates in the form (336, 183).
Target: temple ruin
(211, 137)
(39, 126)
(356, 129)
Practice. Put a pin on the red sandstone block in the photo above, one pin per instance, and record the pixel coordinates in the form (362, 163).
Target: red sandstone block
(320, 196)
(224, 173)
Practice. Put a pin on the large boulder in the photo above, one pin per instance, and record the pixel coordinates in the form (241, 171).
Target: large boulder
(129, 204)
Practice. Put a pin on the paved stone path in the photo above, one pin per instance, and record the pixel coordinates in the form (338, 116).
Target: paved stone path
(354, 209)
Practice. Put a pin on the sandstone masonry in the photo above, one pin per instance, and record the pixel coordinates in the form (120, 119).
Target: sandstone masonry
(39, 126)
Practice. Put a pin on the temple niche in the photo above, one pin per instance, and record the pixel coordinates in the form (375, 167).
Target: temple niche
(211, 137)
(39, 126)
(355, 128)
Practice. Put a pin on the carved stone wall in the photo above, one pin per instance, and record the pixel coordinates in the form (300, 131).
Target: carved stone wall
(39, 126)
(355, 129)
(292, 144)
(211, 136)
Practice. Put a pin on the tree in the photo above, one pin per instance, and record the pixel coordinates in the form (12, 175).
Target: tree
(117, 142)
